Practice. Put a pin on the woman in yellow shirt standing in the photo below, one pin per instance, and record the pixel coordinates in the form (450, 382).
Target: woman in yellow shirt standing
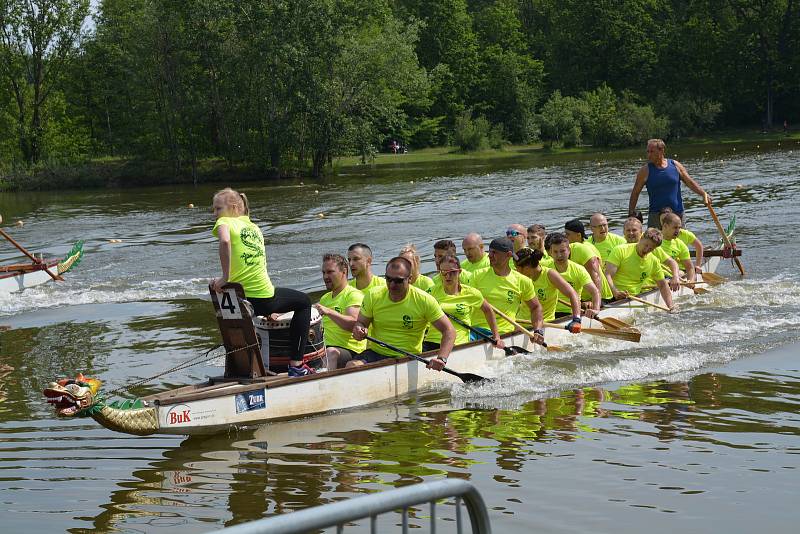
(243, 259)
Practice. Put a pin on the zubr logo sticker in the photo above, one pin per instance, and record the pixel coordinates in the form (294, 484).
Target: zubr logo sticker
(179, 414)
(251, 400)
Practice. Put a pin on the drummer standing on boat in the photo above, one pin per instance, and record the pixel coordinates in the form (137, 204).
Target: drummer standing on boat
(339, 309)
(662, 177)
(399, 314)
(243, 259)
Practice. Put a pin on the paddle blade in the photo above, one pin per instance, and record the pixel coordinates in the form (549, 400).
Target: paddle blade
(713, 278)
(614, 323)
(626, 335)
(555, 348)
(469, 377)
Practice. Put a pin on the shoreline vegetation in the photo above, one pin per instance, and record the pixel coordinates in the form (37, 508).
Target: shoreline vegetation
(120, 173)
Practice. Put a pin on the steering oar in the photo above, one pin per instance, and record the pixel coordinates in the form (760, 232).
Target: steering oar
(465, 377)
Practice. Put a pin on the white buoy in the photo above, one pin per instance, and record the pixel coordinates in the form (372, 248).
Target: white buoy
(19, 224)
(316, 191)
(321, 215)
(191, 205)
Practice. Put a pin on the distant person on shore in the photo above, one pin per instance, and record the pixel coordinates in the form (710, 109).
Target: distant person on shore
(243, 259)
(662, 177)
(786, 126)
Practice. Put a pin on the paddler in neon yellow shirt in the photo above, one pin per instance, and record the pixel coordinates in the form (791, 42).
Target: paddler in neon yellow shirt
(477, 259)
(459, 301)
(689, 238)
(442, 248)
(339, 309)
(536, 235)
(575, 275)
(633, 232)
(399, 315)
(243, 258)
(506, 290)
(603, 240)
(629, 266)
(586, 254)
(674, 247)
(549, 285)
(359, 256)
(418, 280)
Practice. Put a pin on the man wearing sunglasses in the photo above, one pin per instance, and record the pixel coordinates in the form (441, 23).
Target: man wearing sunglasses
(506, 290)
(399, 315)
(518, 235)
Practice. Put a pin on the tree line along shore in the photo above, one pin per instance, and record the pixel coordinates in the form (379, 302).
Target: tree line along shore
(141, 92)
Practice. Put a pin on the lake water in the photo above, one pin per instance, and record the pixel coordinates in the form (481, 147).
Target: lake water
(695, 428)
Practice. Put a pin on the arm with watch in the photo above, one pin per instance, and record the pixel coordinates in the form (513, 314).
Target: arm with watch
(443, 325)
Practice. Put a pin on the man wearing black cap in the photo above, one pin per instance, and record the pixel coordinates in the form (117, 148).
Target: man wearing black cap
(584, 253)
(506, 289)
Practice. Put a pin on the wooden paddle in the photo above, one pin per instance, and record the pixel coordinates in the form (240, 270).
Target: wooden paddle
(713, 278)
(31, 256)
(465, 377)
(653, 304)
(608, 322)
(530, 334)
(510, 351)
(725, 238)
(627, 335)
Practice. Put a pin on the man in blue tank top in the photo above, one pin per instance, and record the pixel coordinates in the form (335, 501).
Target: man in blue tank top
(662, 177)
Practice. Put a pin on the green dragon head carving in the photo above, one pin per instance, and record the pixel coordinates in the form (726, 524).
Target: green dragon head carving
(73, 397)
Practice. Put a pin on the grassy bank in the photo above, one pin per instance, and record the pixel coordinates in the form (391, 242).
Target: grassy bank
(121, 172)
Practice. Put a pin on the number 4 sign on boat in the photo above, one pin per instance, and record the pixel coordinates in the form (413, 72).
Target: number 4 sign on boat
(229, 304)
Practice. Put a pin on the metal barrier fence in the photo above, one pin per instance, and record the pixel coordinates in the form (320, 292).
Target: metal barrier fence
(340, 513)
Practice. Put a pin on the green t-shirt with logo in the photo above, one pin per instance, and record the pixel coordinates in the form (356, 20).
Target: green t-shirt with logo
(576, 276)
(461, 306)
(375, 281)
(676, 249)
(335, 335)
(401, 324)
(505, 293)
(465, 277)
(605, 247)
(633, 271)
(546, 293)
(423, 282)
(477, 266)
(580, 253)
(687, 236)
(248, 256)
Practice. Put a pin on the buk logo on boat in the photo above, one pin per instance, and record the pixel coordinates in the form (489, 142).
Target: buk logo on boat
(179, 414)
(408, 322)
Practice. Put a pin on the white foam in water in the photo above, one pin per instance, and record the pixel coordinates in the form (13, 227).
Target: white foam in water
(53, 296)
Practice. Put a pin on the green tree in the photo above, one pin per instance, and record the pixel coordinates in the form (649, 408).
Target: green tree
(38, 39)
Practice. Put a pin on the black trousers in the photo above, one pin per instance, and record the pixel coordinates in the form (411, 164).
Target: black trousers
(285, 300)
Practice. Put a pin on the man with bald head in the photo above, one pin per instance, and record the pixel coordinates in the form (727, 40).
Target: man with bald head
(603, 240)
(518, 235)
(477, 259)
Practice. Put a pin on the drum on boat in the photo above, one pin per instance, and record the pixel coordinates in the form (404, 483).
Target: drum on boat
(276, 351)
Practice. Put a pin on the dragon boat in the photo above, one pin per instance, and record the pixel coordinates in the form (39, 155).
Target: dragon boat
(19, 276)
(250, 395)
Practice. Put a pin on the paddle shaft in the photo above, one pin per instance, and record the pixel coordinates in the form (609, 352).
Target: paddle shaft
(653, 304)
(515, 323)
(466, 377)
(31, 256)
(604, 322)
(725, 238)
(508, 350)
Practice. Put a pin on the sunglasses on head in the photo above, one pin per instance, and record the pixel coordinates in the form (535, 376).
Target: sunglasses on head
(396, 279)
(512, 233)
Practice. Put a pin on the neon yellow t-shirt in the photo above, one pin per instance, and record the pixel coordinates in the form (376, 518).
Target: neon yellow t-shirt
(607, 245)
(662, 257)
(546, 293)
(676, 249)
(633, 270)
(686, 236)
(375, 281)
(580, 253)
(401, 324)
(461, 306)
(335, 335)
(248, 256)
(423, 282)
(576, 276)
(477, 266)
(505, 293)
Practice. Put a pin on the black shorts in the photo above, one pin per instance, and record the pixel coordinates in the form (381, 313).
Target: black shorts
(370, 356)
(345, 355)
